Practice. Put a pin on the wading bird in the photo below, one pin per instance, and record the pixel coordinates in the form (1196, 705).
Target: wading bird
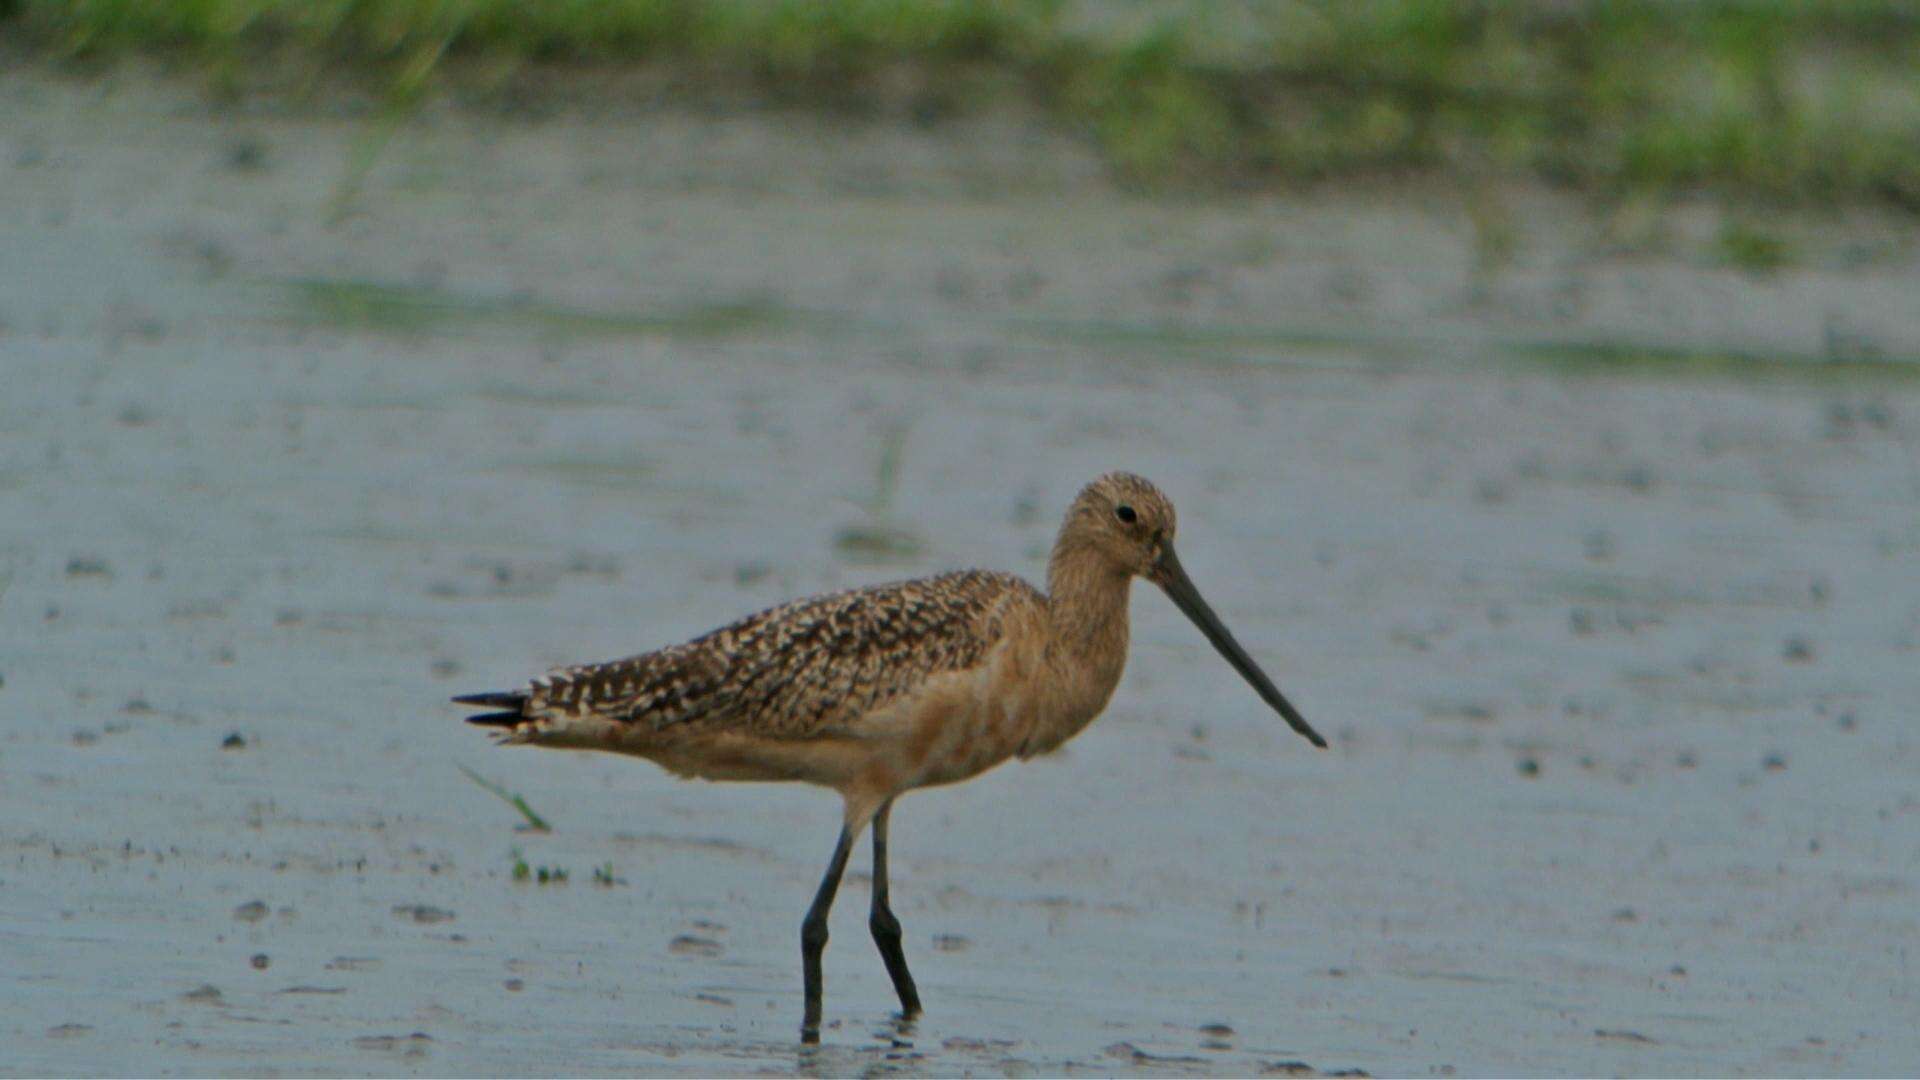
(877, 691)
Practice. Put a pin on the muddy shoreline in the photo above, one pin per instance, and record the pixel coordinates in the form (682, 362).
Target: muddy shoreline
(1616, 657)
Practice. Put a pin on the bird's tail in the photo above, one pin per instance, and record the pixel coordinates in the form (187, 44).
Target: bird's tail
(513, 704)
(522, 721)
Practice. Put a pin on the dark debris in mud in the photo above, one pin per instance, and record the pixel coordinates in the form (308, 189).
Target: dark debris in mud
(424, 914)
(89, 566)
(69, 1031)
(695, 945)
(414, 1045)
(1126, 1051)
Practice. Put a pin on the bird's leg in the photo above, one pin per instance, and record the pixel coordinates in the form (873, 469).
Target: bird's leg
(886, 928)
(813, 934)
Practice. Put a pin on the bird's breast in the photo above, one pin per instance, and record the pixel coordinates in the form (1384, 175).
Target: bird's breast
(1017, 705)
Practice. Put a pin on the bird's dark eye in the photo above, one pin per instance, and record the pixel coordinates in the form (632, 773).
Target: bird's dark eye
(1125, 513)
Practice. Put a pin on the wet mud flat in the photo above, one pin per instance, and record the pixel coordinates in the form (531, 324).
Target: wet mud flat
(1617, 658)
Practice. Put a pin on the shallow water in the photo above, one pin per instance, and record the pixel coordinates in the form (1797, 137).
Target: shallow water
(1618, 667)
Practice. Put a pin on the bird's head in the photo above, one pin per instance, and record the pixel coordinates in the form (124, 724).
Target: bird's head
(1128, 525)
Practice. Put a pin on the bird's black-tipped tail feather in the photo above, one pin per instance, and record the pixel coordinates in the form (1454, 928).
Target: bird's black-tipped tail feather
(515, 701)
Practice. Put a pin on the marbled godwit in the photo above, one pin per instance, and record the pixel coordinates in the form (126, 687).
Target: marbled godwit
(877, 691)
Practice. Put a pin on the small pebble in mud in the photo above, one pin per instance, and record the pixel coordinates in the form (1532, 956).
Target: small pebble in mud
(204, 994)
(234, 741)
(83, 737)
(1678, 971)
(443, 669)
(1217, 1030)
(751, 573)
(951, 943)
(136, 705)
(1686, 759)
(68, 1031)
(1845, 723)
(251, 911)
(261, 961)
(1797, 650)
(1625, 914)
(1529, 767)
(515, 985)
(1774, 763)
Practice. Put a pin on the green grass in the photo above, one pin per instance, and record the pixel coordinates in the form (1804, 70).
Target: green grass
(545, 875)
(1804, 102)
(1740, 244)
(534, 821)
(408, 309)
(1672, 363)
(1749, 247)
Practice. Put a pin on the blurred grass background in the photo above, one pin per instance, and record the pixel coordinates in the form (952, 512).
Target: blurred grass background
(1814, 103)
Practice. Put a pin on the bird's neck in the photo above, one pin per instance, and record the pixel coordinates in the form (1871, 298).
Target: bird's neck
(1087, 615)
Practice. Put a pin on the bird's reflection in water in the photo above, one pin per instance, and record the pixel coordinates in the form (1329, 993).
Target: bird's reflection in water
(892, 1050)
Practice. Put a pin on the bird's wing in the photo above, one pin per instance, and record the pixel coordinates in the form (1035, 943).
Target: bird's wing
(800, 669)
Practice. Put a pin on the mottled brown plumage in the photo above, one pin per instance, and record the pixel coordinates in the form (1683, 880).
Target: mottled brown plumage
(801, 669)
(878, 691)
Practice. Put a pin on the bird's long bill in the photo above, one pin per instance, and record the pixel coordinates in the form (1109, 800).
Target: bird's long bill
(1170, 576)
